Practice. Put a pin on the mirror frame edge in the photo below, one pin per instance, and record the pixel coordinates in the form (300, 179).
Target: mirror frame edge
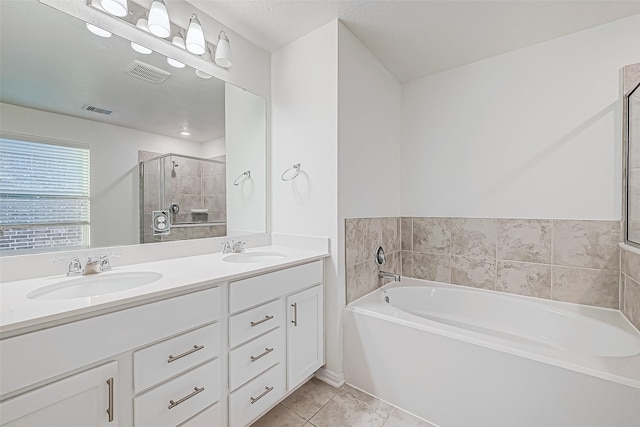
(630, 79)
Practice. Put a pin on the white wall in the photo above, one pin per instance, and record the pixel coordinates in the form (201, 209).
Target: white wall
(245, 124)
(304, 130)
(534, 133)
(114, 165)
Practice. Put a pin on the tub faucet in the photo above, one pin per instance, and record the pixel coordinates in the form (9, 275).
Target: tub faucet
(394, 276)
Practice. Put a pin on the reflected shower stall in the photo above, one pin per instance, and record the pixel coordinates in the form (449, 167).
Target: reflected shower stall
(181, 197)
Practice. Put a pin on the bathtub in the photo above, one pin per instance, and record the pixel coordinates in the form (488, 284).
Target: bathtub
(458, 356)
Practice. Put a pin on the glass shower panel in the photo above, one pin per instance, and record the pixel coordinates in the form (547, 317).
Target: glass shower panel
(633, 177)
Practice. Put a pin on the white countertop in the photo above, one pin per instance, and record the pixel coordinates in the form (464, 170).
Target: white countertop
(19, 314)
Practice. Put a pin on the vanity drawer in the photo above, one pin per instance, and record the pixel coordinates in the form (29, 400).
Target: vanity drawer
(173, 356)
(258, 320)
(210, 417)
(190, 393)
(250, 292)
(255, 357)
(251, 400)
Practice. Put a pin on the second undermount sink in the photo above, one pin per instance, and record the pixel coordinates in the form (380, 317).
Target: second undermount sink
(249, 257)
(94, 285)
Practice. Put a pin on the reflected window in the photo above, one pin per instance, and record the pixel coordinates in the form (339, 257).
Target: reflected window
(44, 196)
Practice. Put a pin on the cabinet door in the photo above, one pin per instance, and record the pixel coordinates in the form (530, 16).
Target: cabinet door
(85, 399)
(305, 334)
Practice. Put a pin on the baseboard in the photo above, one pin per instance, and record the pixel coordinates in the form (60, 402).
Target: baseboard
(331, 378)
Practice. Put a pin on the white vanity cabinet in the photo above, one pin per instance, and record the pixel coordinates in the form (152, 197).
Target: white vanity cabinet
(277, 328)
(85, 399)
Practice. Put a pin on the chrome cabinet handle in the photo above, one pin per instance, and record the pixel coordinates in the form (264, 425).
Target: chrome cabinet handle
(261, 321)
(295, 314)
(110, 408)
(195, 391)
(263, 394)
(186, 353)
(264, 353)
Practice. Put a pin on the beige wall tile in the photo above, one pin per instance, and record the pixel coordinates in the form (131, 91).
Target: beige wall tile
(476, 272)
(526, 240)
(390, 234)
(407, 264)
(406, 234)
(354, 240)
(631, 264)
(590, 244)
(431, 267)
(373, 237)
(585, 286)
(362, 278)
(474, 237)
(631, 306)
(431, 235)
(522, 278)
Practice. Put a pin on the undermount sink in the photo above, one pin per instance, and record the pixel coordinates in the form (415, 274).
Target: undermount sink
(94, 285)
(248, 257)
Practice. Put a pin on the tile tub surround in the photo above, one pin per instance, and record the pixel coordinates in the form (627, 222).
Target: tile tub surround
(567, 260)
(630, 285)
(316, 404)
(362, 237)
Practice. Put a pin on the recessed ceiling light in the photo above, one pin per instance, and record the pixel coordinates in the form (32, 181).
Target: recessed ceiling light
(98, 31)
(185, 133)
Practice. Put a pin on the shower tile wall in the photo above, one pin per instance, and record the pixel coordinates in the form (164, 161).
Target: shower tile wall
(363, 236)
(565, 260)
(630, 286)
(192, 184)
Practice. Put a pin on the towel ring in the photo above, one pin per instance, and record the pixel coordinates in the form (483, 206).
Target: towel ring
(295, 167)
(242, 178)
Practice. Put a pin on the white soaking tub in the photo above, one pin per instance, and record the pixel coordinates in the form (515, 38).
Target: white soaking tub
(459, 356)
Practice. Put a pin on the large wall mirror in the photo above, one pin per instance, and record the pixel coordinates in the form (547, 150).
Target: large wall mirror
(104, 136)
(632, 153)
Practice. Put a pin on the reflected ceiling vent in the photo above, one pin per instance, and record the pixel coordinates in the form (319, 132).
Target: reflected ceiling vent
(148, 72)
(88, 107)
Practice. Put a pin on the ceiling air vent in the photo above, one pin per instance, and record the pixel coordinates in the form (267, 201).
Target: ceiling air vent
(96, 109)
(148, 72)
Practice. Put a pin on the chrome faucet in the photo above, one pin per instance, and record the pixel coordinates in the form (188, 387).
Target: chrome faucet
(232, 247)
(394, 276)
(75, 267)
(92, 266)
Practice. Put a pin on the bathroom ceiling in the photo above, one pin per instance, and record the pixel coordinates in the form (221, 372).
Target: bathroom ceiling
(417, 38)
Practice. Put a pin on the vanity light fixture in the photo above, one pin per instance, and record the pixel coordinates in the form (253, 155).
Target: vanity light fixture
(98, 31)
(159, 19)
(223, 51)
(178, 41)
(142, 24)
(195, 36)
(115, 7)
(201, 73)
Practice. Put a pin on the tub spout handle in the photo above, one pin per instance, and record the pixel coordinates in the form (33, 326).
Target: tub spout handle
(394, 276)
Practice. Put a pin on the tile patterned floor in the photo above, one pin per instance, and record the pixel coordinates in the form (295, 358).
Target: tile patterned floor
(317, 404)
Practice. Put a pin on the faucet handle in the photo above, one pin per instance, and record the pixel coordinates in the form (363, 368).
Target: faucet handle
(226, 247)
(238, 246)
(105, 265)
(75, 267)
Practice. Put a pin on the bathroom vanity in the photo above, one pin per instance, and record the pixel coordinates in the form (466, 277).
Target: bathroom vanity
(213, 342)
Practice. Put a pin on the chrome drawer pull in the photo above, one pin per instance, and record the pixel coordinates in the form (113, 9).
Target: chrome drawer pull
(264, 353)
(196, 390)
(263, 394)
(295, 314)
(186, 353)
(110, 408)
(261, 321)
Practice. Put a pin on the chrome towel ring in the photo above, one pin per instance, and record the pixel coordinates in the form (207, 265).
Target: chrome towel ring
(242, 178)
(295, 167)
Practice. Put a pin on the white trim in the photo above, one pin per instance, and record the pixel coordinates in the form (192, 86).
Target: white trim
(629, 248)
(329, 377)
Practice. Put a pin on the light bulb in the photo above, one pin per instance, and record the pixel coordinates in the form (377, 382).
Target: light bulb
(159, 19)
(115, 7)
(98, 31)
(143, 25)
(178, 41)
(195, 36)
(223, 51)
(203, 75)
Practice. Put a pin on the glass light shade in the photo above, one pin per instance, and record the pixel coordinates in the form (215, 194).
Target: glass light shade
(203, 75)
(115, 7)
(159, 19)
(178, 41)
(143, 25)
(195, 36)
(223, 51)
(98, 31)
